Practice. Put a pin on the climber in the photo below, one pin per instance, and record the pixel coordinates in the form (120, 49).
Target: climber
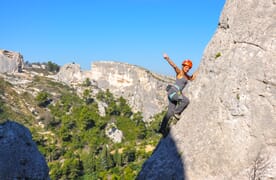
(177, 101)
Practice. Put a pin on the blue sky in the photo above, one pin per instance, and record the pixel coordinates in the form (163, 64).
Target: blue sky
(132, 31)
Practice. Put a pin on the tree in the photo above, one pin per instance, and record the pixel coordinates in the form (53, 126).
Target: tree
(56, 171)
(106, 159)
(87, 96)
(106, 97)
(86, 118)
(117, 158)
(142, 130)
(124, 107)
(52, 67)
(90, 163)
(42, 99)
(129, 155)
(87, 82)
(72, 168)
(1, 106)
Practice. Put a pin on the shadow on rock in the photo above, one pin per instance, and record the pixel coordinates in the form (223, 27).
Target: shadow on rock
(165, 163)
(19, 156)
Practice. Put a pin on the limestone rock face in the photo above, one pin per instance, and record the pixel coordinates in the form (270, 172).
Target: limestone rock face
(228, 131)
(71, 74)
(114, 133)
(19, 156)
(10, 62)
(144, 90)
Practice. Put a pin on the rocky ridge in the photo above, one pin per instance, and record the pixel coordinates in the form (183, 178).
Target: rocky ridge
(144, 90)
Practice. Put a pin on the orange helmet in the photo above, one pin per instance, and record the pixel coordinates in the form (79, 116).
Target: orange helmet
(187, 62)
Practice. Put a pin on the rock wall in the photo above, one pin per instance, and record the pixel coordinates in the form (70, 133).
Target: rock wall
(144, 90)
(10, 62)
(229, 129)
(71, 74)
(19, 156)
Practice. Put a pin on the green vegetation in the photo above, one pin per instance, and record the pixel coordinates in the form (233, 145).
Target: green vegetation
(218, 55)
(45, 68)
(89, 153)
(52, 67)
(87, 82)
(42, 99)
(10, 109)
(238, 96)
(73, 138)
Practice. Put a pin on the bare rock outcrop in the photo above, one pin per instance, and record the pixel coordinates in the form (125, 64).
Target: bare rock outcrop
(19, 156)
(228, 130)
(144, 90)
(114, 133)
(10, 62)
(72, 74)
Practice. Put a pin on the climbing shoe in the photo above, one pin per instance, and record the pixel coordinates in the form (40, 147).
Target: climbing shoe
(172, 122)
(177, 116)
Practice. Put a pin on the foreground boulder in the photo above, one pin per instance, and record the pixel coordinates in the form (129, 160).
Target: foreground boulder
(19, 156)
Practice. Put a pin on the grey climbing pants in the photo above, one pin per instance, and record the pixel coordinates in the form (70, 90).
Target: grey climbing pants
(177, 104)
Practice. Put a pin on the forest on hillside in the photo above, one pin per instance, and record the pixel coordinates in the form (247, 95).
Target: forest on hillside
(70, 132)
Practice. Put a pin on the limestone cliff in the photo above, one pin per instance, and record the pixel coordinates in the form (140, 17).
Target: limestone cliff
(10, 62)
(71, 74)
(229, 129)
(144, 90)
(19, 156)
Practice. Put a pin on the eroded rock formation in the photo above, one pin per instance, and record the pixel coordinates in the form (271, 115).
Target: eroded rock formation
(229, 129)
(144, 90)
(10, 62)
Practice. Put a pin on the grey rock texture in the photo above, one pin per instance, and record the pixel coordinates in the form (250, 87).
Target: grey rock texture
(10, 62)
(164, 164)
(19, 156)
(144, 90)
(228, 131)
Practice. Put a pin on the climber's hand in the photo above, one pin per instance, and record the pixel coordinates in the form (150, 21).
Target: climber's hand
(165, 56)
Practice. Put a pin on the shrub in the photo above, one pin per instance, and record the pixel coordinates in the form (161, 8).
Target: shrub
(218, 55)
(42, 99)
(52, 67)
(87, 82)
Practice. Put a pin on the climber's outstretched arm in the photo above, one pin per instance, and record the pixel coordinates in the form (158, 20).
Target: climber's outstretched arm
(177, 70)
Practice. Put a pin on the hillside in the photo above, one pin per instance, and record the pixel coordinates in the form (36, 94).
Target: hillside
(84, 133)
(143, 89)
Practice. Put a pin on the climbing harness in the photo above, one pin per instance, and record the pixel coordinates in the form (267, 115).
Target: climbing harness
(173, 93)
